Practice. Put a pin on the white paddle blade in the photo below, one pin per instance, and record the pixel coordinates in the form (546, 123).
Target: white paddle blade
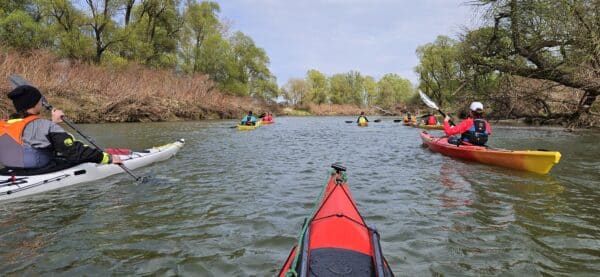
(428, 101)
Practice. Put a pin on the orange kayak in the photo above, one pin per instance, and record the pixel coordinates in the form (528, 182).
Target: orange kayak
(537, 161)
(336, 241)
(267, 122)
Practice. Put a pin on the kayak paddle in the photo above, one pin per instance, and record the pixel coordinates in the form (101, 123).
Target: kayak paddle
(432, 105)
(18, 81)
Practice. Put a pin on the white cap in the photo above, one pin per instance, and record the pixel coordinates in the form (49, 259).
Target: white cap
(476, 106)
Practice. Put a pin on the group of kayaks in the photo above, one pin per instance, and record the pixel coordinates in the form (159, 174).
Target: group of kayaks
(252, 127)
(335, 239)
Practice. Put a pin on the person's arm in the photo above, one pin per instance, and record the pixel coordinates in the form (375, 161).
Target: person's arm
(72, 149)
(458, 129)
(489, 128)
(366, 119)
(76, 151)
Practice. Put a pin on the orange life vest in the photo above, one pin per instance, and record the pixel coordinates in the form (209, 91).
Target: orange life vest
(13, 153)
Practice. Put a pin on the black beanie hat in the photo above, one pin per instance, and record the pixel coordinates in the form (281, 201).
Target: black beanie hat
(24, 97)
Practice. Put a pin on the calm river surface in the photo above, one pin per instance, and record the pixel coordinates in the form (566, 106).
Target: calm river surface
(231, 203)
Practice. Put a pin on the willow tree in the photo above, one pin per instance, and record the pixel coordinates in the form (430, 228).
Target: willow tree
(19, 30)
(393, 89)
(66, 24)
(552, 40)
(295, 91)
(439, 69)
(252, 65)
(154, 31)
(317, 86)
(105, 30)
(200, 21)
(347, 88)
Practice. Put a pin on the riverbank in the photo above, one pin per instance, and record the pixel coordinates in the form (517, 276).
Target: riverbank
(97, 94)
(94, 94)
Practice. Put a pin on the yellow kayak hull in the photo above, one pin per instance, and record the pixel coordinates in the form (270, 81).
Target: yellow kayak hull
(248, 127)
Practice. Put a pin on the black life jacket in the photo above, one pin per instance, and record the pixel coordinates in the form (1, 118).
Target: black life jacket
(477, 134)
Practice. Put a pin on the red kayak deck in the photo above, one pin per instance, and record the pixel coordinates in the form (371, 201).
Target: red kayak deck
(338, 240)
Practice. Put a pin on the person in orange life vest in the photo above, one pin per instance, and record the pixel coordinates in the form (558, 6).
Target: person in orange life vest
(362, 119)
(474, 130)
(30, 142)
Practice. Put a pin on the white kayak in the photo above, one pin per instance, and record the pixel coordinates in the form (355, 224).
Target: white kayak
(18, 186)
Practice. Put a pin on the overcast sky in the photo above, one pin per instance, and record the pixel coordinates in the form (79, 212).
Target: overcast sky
(373, 37)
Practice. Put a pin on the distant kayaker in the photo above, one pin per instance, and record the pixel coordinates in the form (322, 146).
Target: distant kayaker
(408, 118)
(431, 119)
(268, 117)
(249, 119)
(34, 144)
(473, 130)
(362, 119)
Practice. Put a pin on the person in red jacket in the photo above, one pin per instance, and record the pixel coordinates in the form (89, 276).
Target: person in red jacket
(474, 130)
(431, 119)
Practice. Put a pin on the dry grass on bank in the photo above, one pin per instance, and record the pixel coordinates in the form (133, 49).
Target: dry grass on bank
(90, 93)
(332, 109)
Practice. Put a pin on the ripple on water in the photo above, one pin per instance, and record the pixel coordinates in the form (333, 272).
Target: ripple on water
(232, 203)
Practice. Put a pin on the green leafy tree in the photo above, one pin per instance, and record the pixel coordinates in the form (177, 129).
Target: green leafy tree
(557, 41)
(252, 63)
(370, 86)
(295, 91)
(317, 87)
(19, 30)
(439, 69)
(104, 29)
(392, 90)
(339, 89)
(200, 21)
(156, 26)
(65, 23)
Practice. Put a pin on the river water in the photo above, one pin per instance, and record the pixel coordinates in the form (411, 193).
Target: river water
(231, 203)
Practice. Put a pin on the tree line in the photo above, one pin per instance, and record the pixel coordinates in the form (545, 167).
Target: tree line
(184, 36)
(388, 92)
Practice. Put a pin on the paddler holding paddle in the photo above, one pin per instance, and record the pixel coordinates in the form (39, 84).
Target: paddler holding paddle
(31, 144)
(474, 130)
